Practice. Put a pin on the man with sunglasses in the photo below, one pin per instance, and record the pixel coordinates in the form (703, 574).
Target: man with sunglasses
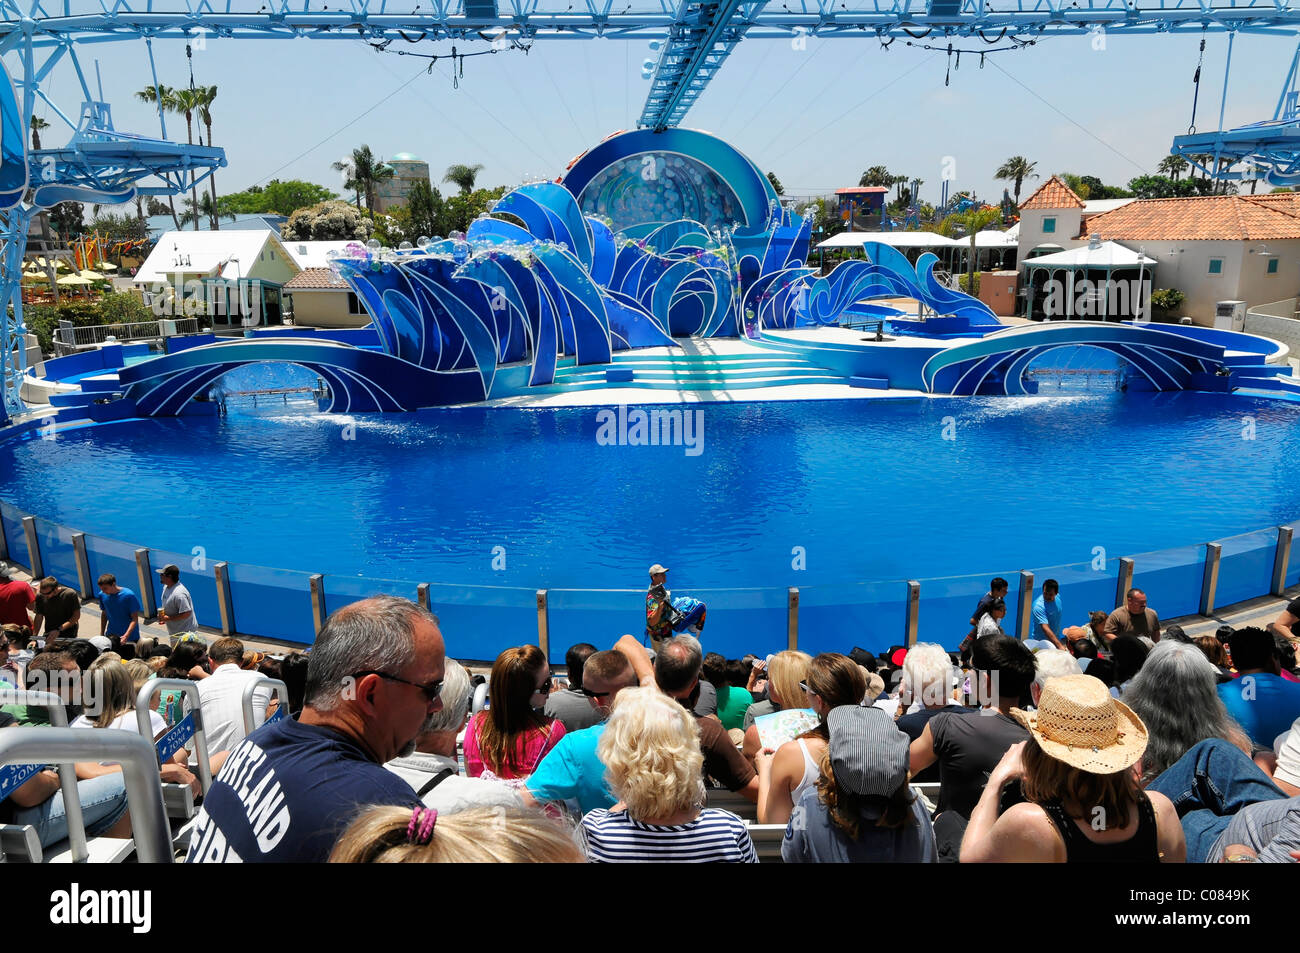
(58, 611)
(571, 772)
(290, 788)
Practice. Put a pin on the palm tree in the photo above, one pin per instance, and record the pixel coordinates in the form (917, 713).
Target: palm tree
(164, 97)
(206, 94)
(350, 182)
(1017, 168)
(876, 175)
(187, 101)
(973, 221)
(366, 172)
(37, 125)
(463, 176)
(204, 209)
(1172, 166)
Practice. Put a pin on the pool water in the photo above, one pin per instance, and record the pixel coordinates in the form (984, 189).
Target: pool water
(778, 494)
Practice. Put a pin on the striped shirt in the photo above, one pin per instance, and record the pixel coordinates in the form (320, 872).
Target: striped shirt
(715, 836)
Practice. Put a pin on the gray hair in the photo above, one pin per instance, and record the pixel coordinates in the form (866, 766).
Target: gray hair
(5, 571)
(456, 692)
(679, 661)
(1053, 663)
(927, 674)
(374, 635)
(1174, 695)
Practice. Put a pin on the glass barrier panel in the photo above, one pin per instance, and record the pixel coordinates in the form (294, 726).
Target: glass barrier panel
(1245, 566)
(1171, 579)
(11, 517)
(1083, 589)
(477, 622)
(835, 618)
(272, 603)
(112, 556)
(198, 576)
(58, 556)
(948, 602)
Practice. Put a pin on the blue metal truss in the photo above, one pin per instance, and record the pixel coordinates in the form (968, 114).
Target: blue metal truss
(1268, 150)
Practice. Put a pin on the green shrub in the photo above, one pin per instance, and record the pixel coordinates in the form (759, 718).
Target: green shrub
(963, 282)
(1167, 299)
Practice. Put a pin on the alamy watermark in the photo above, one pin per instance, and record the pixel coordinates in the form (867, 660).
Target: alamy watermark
(657, 427)
(1108, 297)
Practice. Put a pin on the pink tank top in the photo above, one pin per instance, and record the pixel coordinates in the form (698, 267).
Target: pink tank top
(530, 748)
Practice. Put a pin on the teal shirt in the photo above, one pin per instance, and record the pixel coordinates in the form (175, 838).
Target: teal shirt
(732, 704)
(571, 772)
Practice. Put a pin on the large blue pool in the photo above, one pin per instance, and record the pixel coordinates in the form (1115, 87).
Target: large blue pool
(844, 499)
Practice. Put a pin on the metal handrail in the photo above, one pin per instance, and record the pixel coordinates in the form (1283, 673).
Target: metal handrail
(246, 700)
(191, 690)
(67, 772)
(67, 746)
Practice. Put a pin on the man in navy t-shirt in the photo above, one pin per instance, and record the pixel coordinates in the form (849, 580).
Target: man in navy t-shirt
(119, 611)
(290, 789)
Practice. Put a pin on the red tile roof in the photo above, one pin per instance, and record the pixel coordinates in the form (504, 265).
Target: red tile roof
(1202, 218)
(316, 279)
(1053, 193)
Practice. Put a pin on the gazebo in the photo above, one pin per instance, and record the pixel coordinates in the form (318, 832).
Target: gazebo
(1097, 281)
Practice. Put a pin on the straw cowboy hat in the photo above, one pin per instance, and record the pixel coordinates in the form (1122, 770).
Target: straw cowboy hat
(1080, 724)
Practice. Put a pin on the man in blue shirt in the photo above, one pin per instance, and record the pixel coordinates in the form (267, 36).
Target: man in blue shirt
(1260, 699)
(119, 618)
(290, 789)
(1045, 618)
(571, 771)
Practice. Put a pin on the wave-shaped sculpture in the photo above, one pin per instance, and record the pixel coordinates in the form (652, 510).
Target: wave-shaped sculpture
(649, 237)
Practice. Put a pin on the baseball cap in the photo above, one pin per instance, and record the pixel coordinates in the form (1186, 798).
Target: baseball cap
(656, 569)
(171, 569)
(100, 642)
(869, 754)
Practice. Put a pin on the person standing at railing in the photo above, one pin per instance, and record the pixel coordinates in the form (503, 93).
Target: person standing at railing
(177, 612)
(15, 598)
(58, 611)
(657, 603)
(120, 611)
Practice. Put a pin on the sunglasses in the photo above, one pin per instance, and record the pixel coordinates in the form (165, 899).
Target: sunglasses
(431, 691)
(545, 686)
(590, 694)
(810, 691)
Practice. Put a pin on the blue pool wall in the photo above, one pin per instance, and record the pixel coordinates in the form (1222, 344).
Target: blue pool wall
(479, 621)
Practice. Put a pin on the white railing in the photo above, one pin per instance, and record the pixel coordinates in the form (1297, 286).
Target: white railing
(70, 338)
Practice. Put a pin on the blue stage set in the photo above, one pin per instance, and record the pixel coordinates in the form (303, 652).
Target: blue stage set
(650, 238)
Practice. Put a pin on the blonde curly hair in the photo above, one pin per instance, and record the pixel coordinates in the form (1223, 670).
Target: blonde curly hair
(651, 751)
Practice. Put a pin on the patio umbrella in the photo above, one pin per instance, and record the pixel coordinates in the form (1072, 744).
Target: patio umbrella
(92, 276)
(107, 266)
(74, 280)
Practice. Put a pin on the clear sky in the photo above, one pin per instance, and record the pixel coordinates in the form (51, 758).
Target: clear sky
(817, 117)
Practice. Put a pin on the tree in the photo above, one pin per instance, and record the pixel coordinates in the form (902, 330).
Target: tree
(423, 208)
(66, 219)
(327, 221)
(1017, 169)
(973, 221)
(877, 175)
(118, 227)
(187, 101)
(282, 198)
(1161, 187)
(204, 97)
(458, 211)
(204, 209)
(463, 176)
(164, 97)
(777, 187)
(37, 125)
(350, 182)
(1172, 166)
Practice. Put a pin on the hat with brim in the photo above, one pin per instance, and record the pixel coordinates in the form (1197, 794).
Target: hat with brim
(171, 569)
(656, 569)
(1080, 724)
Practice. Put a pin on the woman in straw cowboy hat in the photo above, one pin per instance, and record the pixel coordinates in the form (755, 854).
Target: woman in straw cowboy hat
(1079, 773)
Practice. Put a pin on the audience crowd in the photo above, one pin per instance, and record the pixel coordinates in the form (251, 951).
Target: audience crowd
(1108, 741)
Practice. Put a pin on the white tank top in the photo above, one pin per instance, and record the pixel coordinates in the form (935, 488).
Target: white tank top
(811, 772)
